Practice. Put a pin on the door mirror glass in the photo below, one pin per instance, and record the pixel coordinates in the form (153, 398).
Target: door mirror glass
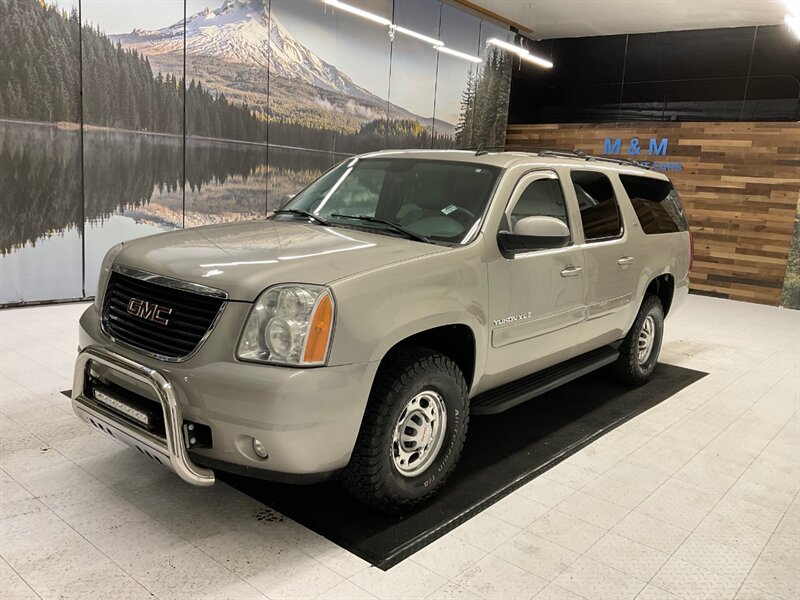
(534, 233)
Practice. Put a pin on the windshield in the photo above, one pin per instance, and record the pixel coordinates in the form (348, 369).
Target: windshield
(442, 201)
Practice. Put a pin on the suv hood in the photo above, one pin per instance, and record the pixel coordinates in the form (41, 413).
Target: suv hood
(245, 258)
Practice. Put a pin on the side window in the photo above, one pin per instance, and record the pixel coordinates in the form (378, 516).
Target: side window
(599, 209)
(542, 198)
(656, 203)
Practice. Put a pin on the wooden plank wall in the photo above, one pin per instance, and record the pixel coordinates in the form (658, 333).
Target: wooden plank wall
(740, 184)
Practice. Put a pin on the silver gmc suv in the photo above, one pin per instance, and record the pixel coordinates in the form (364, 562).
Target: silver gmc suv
(352, 333)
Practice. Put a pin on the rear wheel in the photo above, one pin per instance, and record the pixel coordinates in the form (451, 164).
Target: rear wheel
(412, 433)
(639, 351)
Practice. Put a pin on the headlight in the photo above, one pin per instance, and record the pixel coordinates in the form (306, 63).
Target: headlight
(289, 324)
(105, 273)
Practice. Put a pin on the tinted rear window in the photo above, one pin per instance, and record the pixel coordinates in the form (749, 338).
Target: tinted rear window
(599, 210)
(656, 203)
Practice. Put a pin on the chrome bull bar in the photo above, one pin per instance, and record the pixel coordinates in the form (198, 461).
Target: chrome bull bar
(170, 452)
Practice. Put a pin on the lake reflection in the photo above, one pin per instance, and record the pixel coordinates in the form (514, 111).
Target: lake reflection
(133, 187)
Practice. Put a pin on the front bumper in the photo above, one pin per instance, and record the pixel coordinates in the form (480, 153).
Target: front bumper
(170, 451)
(308, 419)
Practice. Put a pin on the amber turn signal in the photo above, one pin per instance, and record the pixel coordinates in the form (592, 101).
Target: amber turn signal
(320, 331)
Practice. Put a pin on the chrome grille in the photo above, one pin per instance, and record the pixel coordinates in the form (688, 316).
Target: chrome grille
(150, 314)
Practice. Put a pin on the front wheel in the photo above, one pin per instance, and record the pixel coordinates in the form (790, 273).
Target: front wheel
(639, 351)
(412, 433)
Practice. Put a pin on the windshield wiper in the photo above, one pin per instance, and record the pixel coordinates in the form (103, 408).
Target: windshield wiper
(399, 228)
(305, 213)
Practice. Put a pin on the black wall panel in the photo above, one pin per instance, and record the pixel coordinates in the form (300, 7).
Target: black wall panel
(741, 73)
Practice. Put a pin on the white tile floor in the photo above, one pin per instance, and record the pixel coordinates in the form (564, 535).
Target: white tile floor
(695, 498)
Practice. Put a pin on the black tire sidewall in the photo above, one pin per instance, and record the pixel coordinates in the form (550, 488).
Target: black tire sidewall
(654, 310)
(449, 388)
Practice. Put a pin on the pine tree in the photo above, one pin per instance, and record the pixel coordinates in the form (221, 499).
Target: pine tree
(14, 104)
(464, 126)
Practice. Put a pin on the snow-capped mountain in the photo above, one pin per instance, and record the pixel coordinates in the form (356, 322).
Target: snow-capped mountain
(244, 33)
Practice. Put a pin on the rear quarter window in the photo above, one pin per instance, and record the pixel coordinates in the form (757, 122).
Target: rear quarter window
(656, 203)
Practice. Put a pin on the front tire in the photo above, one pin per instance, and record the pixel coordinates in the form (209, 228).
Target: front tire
(639, 351)
(412, 433)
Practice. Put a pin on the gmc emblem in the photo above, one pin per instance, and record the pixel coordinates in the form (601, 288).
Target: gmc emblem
(149, 311)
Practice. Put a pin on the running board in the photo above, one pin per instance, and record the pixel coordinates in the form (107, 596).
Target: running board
(511, 394)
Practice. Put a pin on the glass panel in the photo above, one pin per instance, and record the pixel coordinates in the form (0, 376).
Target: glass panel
(413, 81)
(329, 76)
(133, 122)
(599, 209)
(363, 51)
(227, 66)
(40, 177)
(656, 203)
(456, 79)
(225, 181)
(438, 199)
(489, 114)
(292, 170)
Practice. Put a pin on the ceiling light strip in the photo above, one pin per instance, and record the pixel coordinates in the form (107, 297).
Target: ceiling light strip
(437, 44)
(357, 11)
(523, 53)
(458, 54)
(506, 46)
(419, 36)
(542, 62)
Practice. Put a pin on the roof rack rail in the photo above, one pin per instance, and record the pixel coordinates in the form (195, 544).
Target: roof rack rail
(483, 149)
(557, 152)
(619, 161)
(563, 153)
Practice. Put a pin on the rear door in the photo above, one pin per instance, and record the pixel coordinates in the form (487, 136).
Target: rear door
(535, 298)
(611, 265)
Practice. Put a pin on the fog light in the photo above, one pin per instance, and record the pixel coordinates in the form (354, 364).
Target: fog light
(259, 449)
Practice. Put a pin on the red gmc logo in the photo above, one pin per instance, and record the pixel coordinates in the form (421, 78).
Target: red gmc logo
(149, 311)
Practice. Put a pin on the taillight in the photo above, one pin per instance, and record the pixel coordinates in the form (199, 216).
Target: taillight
(691, 251)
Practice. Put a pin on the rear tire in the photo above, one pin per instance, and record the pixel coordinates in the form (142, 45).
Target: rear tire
(412, 433)
(639, 351)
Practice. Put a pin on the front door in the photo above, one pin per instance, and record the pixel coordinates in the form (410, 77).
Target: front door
(536, 299)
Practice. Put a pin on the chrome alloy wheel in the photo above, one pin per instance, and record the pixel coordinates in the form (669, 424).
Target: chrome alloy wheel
(647, 338)
(419, 433)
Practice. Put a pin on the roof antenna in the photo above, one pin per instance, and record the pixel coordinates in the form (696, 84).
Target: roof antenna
(480, 150)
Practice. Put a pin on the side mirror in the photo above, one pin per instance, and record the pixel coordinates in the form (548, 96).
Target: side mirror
(534, 233)
(285, 200)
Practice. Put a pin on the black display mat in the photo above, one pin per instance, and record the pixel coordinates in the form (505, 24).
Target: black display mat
(502, 453)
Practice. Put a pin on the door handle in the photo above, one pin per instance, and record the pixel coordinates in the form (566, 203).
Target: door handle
(571, 271)
(625, 260)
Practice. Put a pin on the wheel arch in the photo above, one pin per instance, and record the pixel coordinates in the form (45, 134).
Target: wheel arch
(457, 341)
(663, 287)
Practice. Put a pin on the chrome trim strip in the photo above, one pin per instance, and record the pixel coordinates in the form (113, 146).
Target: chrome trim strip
(173, 448)
(177, 284)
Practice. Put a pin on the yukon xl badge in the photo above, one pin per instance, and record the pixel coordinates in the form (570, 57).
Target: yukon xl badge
(149, 311)
(512, 318)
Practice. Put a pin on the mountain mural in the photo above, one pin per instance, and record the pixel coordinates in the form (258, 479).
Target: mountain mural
(107, 137)
(234, 48)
